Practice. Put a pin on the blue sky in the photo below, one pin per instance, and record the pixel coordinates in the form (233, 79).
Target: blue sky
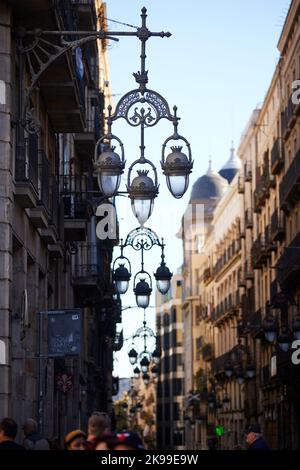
(216, 67)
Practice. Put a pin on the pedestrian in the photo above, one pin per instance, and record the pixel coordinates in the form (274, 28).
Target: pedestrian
(33, 440)
(254, 438)
(8, 434)
(127, 441)
(98, 424)
(76, 440)
(105, 441)
(54, 443)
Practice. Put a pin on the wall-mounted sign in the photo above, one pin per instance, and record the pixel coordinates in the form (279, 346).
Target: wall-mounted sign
(64, 332)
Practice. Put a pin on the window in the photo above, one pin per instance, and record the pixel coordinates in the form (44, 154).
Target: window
(173, 315)
(174, 339)
(176, 412)
(166, 341)
(166, 364)
(167, 388)
(177, 387)
(167, 412)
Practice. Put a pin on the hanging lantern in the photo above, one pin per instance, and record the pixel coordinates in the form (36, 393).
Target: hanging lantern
(240, 377)
(146, 378)
(284, 340)
(145, 364)
(154, 372)
(132, 356)
(177, 168)
(250, 371)
(142, 293)
(139, 406)
(155, 356)
(142, 192)
(270, 329)
(121, 277)
(163, 278)
(136, 372)
(228, 369)
(109, 168)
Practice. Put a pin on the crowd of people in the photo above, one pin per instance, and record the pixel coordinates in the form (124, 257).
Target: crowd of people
(97, 437)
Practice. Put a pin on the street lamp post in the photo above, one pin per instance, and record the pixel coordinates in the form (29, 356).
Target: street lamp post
(140, 107)
(141, 239)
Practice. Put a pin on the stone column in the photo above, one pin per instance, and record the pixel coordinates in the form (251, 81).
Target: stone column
(5, 208)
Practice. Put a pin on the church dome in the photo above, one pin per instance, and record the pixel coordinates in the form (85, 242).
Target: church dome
(209, 186)
(231, 167)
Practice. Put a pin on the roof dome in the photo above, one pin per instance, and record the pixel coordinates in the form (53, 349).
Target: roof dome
(231, 167)
(209, 186)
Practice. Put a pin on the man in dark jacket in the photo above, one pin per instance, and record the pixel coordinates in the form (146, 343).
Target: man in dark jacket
(255, 439)
(33, 440)
(8, 434)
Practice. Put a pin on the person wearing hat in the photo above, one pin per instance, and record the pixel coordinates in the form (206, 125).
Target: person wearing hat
(75, 440)
(255, 439)
(127, 441)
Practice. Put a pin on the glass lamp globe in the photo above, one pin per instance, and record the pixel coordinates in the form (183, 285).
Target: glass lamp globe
(109, 168)
(177, 168)
(142, 293)
(163, 278)
(122, 277)
(142, 192)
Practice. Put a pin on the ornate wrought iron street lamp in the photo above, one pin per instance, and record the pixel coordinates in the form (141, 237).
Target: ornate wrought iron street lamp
(147, 360)
(140, 107)
(141, 239)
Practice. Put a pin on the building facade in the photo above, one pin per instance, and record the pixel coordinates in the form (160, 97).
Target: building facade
(246, 285)
(51, 259)
(169, 419)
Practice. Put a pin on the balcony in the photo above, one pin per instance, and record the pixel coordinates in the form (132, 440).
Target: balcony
(290, 185)
(288, 265)
(248, 270)
(277, 226)
(249, 218)
(62, 84)
(73, 191)
(241, 185)
(288, 118)
(39, 214)
(259, 252)
(27, 173)
(248, 171)
(270, 245)
(207, 352)
(207, 275)
(241, 278)
(85, 141)
(253, 322)
(87, 272)
(86, 14)
(218, 364)
(277, 157)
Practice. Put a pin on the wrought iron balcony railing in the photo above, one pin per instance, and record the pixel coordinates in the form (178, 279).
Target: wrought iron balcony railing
(277, 232)
(27, 162)
(290, 187)
(73, 190)
(277, 157)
